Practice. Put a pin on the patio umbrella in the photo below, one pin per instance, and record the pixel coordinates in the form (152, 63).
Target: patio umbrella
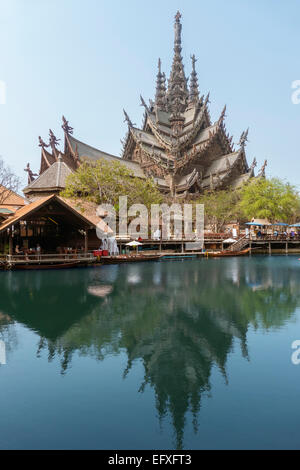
(134, 243)
(295, 225)
(281, 224)
(229, 240)
(254, 223)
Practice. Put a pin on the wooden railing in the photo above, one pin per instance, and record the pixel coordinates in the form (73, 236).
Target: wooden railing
(239, 244)
(49, 257)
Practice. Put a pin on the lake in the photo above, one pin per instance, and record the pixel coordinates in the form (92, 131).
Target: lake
(193, 354)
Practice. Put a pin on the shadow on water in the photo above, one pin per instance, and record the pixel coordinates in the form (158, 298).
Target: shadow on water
(178, 318)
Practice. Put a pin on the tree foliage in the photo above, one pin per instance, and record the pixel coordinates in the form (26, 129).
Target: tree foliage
(220, 208)
(105, 182)
(271, 199)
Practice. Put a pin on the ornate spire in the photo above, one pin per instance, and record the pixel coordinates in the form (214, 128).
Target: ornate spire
(160, 95)
(177, 87)
(194, 92)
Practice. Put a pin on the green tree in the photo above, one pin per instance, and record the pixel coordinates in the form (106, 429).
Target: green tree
(220, 207)
(271, 199)
(105, 182)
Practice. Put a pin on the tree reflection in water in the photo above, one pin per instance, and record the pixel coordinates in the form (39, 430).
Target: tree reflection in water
(178, 318)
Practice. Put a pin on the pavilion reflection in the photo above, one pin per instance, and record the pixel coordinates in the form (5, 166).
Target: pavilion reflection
(178, 319)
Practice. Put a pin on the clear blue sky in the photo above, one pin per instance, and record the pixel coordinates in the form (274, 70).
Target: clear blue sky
(87, 59)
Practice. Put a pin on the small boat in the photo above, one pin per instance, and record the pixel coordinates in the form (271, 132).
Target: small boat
(128, 258)
(45, 266)
(218, 254)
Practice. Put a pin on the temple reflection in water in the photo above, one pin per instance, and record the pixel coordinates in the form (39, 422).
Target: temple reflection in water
(178, 319)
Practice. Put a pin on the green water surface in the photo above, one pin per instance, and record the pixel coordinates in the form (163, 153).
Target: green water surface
(171, 354)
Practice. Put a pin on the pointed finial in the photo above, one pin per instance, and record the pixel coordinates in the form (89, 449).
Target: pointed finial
(194, 92)
(263, 168)
(244, 138)
(68, 129)
(30, 173)
(127, 119)
(253, 164)
(178, 16)
(143, 103)
(42, 143)
(53, 141)
(194, 60)
(223, 114)
(160, 94)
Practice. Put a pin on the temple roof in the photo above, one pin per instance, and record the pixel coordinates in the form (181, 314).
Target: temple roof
(54, 178)
(86, 151)
(178, 145)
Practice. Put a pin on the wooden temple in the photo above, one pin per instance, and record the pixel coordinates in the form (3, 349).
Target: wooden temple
(178, 144)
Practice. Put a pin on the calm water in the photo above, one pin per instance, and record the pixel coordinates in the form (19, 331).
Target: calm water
(193, 354)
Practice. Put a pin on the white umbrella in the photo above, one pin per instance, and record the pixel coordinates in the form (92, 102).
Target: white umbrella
(134, 243)
(229, 240)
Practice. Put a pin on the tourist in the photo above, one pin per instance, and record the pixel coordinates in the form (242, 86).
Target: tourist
(18, 251)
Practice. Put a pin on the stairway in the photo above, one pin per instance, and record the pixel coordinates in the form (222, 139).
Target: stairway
(239, 244)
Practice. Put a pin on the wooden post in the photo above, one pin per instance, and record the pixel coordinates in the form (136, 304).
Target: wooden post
(10, 243)
(182, 248)
(86, 241)
(270, 250)
(250, 247)
(286, 247)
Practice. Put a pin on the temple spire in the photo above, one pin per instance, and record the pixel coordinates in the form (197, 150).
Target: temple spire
(177, 87)
(160, 95)
(194, 92)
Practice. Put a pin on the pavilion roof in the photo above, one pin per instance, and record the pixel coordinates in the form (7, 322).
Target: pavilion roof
(22, 213)
(52, 178)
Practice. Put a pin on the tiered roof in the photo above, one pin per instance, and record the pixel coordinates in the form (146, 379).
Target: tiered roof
(178, 144)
